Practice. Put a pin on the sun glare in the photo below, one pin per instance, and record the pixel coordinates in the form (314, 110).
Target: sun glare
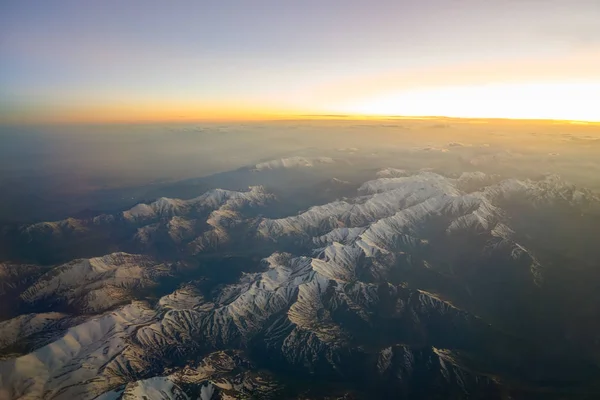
(573, 101)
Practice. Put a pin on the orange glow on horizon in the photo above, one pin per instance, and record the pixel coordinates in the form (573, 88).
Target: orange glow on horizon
(149, 112)
(150, 116)
(539, 101)
(555, 101)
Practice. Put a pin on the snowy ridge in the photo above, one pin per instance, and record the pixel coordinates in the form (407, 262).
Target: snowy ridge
(385, 197)
(551, 190)
(180, 228)
(292, 162)
(96, 284)
(387, 266)
(219, 222)
(185, 225)
(98, 344)
(222, 374)
(339, 235)
(160, 208)
(432, 182)
(337, 262)
(186, 297)
(211, 200)
(398, 214)
(23, 326)
(267, 294)
(392, 173)
(160, 387)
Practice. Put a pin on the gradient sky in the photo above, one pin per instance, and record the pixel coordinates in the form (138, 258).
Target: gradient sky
(69, 61)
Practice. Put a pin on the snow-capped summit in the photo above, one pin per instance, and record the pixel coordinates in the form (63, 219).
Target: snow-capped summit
(161, 207)
(292, 162)
(392, 173)
(213, 199)
(96, 284)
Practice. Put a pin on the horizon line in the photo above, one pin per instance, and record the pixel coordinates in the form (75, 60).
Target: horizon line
(292, 117)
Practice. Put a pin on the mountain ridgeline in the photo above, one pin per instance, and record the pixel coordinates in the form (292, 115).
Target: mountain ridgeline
(404, 284)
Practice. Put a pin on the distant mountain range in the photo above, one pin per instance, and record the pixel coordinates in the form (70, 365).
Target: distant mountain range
(412, 285)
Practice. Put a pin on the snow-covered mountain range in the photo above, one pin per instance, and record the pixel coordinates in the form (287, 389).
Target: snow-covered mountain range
(420, 285)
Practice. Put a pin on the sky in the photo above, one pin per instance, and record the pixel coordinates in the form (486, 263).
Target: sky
(106, 61)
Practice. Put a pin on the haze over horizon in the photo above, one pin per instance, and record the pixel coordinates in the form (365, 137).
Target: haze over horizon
(68, 61)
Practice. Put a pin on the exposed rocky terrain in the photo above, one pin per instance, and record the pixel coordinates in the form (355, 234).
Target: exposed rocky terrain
(418, 285)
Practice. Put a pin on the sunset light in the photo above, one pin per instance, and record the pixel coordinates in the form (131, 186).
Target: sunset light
(300, 200)
(564, 101)
(72, 63)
